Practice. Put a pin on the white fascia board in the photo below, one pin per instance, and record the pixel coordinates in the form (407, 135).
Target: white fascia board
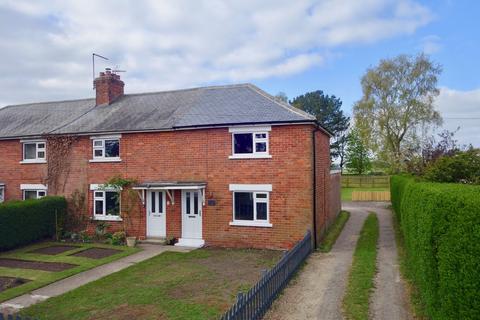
(106, 137)
(25, 186)
(248, 129)
(102, 187)
(251, 187)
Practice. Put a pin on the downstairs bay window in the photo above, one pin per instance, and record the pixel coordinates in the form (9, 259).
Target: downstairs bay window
(2, 192)
(106, 203)
(33, 191)
(251, 205)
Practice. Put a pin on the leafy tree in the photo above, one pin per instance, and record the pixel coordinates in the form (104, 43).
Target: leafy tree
(397, 103)
(462, 167)
(281, 96)
(327, 110)
(357, 154)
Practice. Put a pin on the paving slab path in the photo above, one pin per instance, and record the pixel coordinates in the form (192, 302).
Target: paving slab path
(75, 281)
(318, 289)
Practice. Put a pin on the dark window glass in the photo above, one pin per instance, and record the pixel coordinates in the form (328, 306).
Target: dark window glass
(98, 206)
(98, 153)
(30, 151)
(195, 203)
(160, 202)
(29, 194)
(243, 142)
(154, 209)
(261, 147)
(187, 200)
(41, 154)
(112, 149)
(260, 135)
(261, 211)
(41, 145)
(41, 194)
(243, 205)
(112, 203)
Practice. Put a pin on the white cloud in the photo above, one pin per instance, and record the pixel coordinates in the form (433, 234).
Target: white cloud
(461, 109)
(46, 47)
(431, 44)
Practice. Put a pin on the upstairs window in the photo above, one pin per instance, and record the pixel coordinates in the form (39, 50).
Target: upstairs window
(34, 152)
(250, 142)
(106, 149)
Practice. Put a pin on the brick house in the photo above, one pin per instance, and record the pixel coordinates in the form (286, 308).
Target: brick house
(224, 165)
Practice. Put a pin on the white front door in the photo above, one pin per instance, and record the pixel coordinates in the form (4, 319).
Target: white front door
(191, 214)
(156, 214)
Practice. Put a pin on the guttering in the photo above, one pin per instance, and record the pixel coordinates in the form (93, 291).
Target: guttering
(179, 128)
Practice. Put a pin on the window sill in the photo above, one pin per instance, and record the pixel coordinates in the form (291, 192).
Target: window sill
(250, 156)
(250, 224)
(107, 218)
(106, 160)
(32, 161)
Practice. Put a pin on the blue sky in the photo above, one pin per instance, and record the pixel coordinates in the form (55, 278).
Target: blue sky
(279, 45)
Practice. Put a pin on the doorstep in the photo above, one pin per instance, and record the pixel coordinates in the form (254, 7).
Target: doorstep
(159, 241)
(191, 243)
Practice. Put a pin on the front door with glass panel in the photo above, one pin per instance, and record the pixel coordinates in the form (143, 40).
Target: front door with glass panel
(156, 214)
(191, 214)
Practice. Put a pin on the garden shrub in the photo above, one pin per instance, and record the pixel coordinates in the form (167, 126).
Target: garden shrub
(23, 222)
(397, 187)
(441, 227)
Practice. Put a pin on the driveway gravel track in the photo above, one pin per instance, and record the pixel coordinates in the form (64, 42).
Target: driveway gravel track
(317, 291)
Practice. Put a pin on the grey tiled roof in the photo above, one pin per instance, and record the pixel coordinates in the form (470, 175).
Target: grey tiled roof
(206, 106)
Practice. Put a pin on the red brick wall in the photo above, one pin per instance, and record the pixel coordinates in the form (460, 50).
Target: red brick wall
(201, 155)
(322, 143)
(335, 202)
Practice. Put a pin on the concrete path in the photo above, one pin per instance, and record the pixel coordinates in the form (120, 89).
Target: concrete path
(318, 290)
(70, 283)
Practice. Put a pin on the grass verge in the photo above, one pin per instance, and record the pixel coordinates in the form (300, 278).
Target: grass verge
(412, 291)
(360, 281)
(201, 284)
(39, 278)
(347, 192)
(334, 231)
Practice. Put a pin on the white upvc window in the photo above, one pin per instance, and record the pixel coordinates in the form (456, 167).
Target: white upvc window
(251, 205)
(34, 151)
(2, 193)
(250, 142)
(106, 203)
(33, 191)
(106, 149)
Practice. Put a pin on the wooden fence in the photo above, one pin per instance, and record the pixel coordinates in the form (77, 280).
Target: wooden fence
(370, 195)
(365, 181)
(253, 304)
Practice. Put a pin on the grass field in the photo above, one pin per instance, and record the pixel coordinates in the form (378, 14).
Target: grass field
(39, 278)
(201, 284)
(360, 280)
(347, 192)
(334, 231)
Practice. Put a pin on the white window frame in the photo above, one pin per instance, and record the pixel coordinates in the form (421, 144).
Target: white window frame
(253, 130)
(2, 193)
(38, 188)
(101, 147)
(37, 159)
(103, 189)
(255, 189)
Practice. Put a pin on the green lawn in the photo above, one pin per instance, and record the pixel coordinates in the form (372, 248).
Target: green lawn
(41, 278)
(334, 231)
(201, 284)
(360, 280)
(347, 192)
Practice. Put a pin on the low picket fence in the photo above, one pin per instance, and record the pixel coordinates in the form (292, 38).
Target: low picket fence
(253, 304)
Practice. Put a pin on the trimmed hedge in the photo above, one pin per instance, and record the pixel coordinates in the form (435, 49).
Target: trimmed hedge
(441, 227)
(23, 222)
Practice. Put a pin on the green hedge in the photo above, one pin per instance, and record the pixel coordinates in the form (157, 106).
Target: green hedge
(441, 227)
(23, 222)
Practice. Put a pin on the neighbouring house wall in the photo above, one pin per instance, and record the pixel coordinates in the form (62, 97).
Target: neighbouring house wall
(200, 155)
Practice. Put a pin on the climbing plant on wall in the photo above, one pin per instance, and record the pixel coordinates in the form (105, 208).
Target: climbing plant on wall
(59, 149)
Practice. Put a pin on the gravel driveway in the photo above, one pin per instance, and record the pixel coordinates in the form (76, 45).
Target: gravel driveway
(318, 289)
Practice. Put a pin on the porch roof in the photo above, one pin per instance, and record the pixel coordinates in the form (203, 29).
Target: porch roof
(171, 185)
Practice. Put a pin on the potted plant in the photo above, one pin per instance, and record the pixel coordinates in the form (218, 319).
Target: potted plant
(131, 241)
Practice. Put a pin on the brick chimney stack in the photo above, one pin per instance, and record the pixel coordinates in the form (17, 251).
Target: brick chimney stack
(108, 87)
